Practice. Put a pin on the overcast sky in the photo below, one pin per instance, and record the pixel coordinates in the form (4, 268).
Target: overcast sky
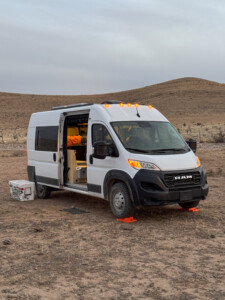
(98, 46)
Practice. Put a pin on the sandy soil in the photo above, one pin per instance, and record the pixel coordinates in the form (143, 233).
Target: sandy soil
(166, 254)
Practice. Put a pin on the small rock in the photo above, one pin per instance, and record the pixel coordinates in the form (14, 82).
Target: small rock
(127, 228)
(212, 236)
(38, 229)
(7, 242)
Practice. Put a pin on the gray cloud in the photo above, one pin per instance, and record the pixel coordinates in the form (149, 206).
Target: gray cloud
(78, 47)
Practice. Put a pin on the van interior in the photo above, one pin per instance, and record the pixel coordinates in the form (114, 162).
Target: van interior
(75, 150)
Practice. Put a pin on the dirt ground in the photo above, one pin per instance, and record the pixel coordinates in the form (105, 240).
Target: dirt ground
(167, 254)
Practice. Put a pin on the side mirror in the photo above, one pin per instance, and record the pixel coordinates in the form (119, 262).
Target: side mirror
(192, 144)
(101, 150)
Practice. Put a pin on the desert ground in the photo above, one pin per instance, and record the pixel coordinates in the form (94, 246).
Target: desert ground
(48, 253)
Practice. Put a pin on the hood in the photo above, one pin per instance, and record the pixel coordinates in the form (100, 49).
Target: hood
(169, 162)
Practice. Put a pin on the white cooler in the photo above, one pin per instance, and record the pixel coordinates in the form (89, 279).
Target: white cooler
(22, 190)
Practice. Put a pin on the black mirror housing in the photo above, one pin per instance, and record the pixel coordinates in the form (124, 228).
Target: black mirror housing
(192, 143)
(101, 150)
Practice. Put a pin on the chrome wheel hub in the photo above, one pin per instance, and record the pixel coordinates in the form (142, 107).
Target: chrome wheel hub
(118, 201)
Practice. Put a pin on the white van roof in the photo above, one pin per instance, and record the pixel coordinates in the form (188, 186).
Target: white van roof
(106, 112)
(124, 112)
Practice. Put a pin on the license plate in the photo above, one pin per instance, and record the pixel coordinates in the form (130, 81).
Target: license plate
(185, 195)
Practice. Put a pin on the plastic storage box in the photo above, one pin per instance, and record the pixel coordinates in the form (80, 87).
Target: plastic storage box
(22, 190)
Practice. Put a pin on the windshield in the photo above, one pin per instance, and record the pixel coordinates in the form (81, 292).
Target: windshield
(152, 137)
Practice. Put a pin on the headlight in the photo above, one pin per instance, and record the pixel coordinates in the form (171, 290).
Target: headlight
(142, 165)
(198, 163)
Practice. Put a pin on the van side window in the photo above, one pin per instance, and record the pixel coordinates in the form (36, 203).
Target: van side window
(100, 134)
(46, 138)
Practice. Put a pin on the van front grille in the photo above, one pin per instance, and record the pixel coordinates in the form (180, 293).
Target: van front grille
(178, 179)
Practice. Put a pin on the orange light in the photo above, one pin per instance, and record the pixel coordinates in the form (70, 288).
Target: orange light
(121, 104)
(149, 106)
(107, 105)
(129, 104)
(134, 164)
(136, 104)
(198, 164)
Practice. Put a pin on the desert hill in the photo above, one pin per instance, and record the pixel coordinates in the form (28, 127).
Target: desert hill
(186, 102)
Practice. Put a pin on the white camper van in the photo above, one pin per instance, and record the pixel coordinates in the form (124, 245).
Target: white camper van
(128, 154)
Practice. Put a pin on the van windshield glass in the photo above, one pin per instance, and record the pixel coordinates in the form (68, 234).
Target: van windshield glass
(152, 137)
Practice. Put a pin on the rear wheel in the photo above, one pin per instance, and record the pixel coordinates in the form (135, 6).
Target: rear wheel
(120, 201)
(189, 204)
(43, 191)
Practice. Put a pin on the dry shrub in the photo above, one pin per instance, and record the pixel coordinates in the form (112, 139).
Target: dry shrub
(18, 153)
(220, 137)
(214, 172)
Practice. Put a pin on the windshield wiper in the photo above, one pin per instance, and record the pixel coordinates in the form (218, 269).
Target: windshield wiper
(137, 150)
(167, 150)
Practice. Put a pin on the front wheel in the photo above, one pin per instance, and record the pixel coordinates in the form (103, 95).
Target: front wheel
(189, 204)
(120, 201)
(43, 191)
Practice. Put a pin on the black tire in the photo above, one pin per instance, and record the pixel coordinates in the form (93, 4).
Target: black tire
(43, 191)
(120, 201)
(189, 204)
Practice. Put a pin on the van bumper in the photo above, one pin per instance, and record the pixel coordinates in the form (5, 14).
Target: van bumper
(155, 188)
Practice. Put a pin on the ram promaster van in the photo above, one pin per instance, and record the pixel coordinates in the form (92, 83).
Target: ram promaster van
(128, 154)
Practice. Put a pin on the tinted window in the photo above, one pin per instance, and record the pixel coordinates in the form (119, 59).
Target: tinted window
(100, 134)
(46, 138)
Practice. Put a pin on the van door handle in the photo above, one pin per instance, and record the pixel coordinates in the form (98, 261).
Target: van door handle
(54, 156)
(91, 159)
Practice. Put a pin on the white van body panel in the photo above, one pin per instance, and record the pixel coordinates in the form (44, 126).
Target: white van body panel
(173, 162)
(46, 118)
(97, 171)
(45, 165)
(116, 113)
(43, 161)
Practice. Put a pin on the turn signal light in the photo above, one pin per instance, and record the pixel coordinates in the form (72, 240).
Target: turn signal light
(143, 165)
(129, 104)
(198, 163)
(134, 164)
(149, 106)
(136, 104)
(121, 104)
(107, 105)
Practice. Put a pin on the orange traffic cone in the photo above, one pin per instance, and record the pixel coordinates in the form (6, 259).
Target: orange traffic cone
(192, 209)
(127, 220)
